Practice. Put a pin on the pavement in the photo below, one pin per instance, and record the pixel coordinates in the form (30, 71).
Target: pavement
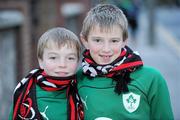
(164, 55)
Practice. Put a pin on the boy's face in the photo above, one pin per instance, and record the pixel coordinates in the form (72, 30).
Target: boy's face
(105, 46)
(59, 61)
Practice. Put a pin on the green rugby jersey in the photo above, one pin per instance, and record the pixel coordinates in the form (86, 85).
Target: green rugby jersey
(52, 105)
(147, 99)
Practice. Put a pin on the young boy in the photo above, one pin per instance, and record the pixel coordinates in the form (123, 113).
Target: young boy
(115, 85)
(50, 93)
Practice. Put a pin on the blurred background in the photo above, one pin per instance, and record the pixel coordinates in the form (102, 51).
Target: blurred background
(154, 27)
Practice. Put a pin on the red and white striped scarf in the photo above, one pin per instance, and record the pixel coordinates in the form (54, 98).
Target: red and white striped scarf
(119, 70)
(25, 103)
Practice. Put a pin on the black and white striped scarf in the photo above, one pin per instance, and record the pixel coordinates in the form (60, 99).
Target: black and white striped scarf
(25, 103)
(119, 70)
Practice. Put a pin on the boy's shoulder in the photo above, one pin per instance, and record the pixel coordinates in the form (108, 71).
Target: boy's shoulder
(22, 83)
(148, 70)
(148, 73)
(79, 73)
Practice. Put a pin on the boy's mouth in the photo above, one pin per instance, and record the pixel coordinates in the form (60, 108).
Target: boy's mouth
(62, 74)
(106, 58)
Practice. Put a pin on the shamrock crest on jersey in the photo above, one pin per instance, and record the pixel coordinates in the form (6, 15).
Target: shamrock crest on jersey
(131, 101)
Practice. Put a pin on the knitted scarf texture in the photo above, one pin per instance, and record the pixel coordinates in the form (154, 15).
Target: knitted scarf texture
(119, 70)
(25, 103)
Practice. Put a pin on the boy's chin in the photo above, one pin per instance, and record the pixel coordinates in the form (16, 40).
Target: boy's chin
(63, 75)
(60, 75)
(104, 62)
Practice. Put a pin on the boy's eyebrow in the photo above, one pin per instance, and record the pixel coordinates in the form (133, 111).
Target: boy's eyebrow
(52, 53)
(95, 37)
(116, 38)
(71, 53)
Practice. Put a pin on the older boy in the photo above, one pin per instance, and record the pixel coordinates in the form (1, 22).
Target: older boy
(46, 92)
(115, 85)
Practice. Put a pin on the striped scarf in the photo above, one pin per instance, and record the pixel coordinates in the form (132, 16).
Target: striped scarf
(25, 103)
(119, 70)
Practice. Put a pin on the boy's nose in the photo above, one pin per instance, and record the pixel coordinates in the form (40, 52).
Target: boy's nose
(106, 47)
(62, 63)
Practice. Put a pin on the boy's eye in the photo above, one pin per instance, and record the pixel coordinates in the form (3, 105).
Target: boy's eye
(97, 40)
(52, 58)
(115, 41)
(72, 58)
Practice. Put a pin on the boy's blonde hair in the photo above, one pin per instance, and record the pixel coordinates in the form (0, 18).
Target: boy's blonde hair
(106, 16)
(58, 36)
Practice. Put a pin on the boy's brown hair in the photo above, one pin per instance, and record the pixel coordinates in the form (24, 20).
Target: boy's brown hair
(58, 36)
(106, 16)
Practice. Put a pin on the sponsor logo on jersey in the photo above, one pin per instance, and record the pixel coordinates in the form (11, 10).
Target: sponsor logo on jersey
(84, 102)
(131, 101)
(44, 113)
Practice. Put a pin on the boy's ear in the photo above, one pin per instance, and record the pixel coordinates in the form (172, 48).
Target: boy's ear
(84, 41)
(40, 61)
(125, 42)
